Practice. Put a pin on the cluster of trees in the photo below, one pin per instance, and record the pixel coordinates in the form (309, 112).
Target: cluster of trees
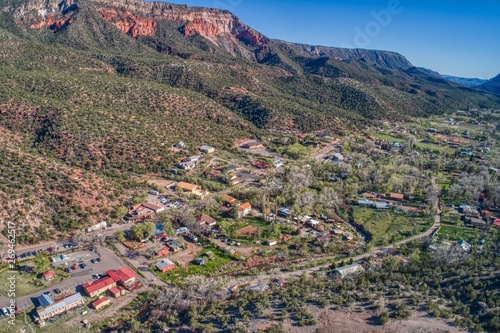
(462, 290)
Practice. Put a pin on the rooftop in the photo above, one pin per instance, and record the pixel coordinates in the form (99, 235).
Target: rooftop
(59, 305)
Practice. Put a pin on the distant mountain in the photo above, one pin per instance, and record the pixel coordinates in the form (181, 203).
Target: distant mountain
(73, 68)
(492, 85)
(467, 82)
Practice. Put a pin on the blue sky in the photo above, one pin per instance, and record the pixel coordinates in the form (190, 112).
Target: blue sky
(452, 37)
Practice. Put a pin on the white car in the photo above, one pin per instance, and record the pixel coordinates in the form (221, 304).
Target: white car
(5, 311)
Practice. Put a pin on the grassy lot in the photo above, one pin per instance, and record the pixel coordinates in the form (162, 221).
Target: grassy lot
(458, 233)
(28, 283)
(298, 151)
(387, 227)
(177, 275)
(267, 230)
(449, 218)
(388, 137)
(445, 180)
(433, 147)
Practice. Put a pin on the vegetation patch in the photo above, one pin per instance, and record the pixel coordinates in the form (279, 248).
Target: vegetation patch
(387, 227)
(458, 233)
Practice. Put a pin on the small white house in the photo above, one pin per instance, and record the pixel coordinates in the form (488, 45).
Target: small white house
(207, 149)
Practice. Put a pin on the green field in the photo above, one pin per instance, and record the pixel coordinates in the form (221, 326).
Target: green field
(457, 233)
(450, 218)
(387, 227)
(388, 137)
(433, 147)
(445, 180)
(28, 283)
(177, 275)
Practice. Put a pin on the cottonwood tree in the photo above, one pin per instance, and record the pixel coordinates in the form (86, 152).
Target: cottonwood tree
(329, 198)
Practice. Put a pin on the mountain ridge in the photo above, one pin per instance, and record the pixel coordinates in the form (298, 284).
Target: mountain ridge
(492, 85)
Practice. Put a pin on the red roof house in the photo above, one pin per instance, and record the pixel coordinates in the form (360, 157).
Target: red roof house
(101, 302)
(97, 287)
(116, 292)
(123, 275)
(49, 275)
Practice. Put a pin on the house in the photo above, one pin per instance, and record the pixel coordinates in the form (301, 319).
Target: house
(260, 165)
(199, 261)
(143, 211)
(348, 270)
(370, 196)
(186, 165)
(117, 291)
(278, 162)
(101, 302)
(365, 203)
(205, 221)
(175, 244)
(313, 223)
(381, 205)
(165, 265)
(253, 145)
(207, 149)
(124, 276)
(271, 242)
(477, 222)
(284, 212)
(214, 173)
(337, 157)
(156, 209)
(338, 232)
(98, 287)
(44, 300)
(242, 210)
(162, 252)
(49, 275)
(396, 196)
(61, 306)
(230, 201)
(180, 145)
(190, 188)
(327, 139)
(159, 232)
(464, 245)
(210, 255)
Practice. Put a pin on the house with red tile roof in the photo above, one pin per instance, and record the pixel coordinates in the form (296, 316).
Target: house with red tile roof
(101, 302)
(98, 287)
(123, 276)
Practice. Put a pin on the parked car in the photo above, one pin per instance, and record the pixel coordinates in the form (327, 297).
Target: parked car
(48, 293)
(93, 261)
(57, 291)
(83, 265)
(98, 259)
(5, 311)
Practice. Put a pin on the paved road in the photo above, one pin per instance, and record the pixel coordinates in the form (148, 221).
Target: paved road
(109, 260)
(320, 155)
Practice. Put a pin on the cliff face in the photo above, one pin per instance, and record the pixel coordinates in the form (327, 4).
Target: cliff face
(37, 14)
(225, 31)
(128, 22)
